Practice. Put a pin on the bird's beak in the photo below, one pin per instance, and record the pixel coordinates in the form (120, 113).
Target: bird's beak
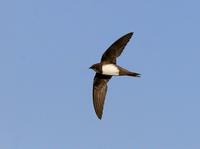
(90, 67)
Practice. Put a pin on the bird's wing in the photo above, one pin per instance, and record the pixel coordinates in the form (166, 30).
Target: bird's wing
(99, 92)
(116, 49)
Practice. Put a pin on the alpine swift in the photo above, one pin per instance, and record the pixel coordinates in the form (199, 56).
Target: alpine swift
(106, 69)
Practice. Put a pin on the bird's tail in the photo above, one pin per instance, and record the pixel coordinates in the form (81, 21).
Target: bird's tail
(125, 72)
(133, 74)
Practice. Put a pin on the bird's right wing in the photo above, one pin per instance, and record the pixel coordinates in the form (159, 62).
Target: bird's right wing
(116, 49)
(99, 93)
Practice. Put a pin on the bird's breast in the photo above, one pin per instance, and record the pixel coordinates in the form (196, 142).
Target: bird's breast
(110, 69)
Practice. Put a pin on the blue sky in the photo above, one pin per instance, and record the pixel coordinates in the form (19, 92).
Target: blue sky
(46, 49)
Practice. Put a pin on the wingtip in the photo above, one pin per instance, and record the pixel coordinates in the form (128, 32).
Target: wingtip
(131, 33)
(99, 116)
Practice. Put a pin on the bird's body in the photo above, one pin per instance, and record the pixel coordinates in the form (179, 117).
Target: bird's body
(110, 69)
(106, 69)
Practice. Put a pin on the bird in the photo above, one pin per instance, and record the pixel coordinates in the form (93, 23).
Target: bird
(106, 69)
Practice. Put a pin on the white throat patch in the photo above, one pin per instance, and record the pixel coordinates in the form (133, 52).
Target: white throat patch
(110, 69)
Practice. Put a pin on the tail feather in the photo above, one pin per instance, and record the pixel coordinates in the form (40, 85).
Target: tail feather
(134, 74)
(125, 72)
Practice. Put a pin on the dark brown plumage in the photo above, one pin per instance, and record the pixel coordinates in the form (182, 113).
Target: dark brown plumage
(116, 49)
(101, 80)
(99, 92)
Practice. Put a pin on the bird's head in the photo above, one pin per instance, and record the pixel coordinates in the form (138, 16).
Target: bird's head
(96, 67)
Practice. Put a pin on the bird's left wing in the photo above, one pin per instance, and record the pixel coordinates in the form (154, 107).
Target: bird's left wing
(115, 50)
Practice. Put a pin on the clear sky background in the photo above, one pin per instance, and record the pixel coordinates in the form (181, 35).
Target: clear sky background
(46, 48)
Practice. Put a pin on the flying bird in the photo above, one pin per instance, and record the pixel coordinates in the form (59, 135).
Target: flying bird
(106, 69)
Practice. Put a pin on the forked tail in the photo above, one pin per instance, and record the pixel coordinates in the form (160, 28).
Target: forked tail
(134, 74)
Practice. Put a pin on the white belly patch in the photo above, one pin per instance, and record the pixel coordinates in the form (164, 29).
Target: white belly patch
(110, 69)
